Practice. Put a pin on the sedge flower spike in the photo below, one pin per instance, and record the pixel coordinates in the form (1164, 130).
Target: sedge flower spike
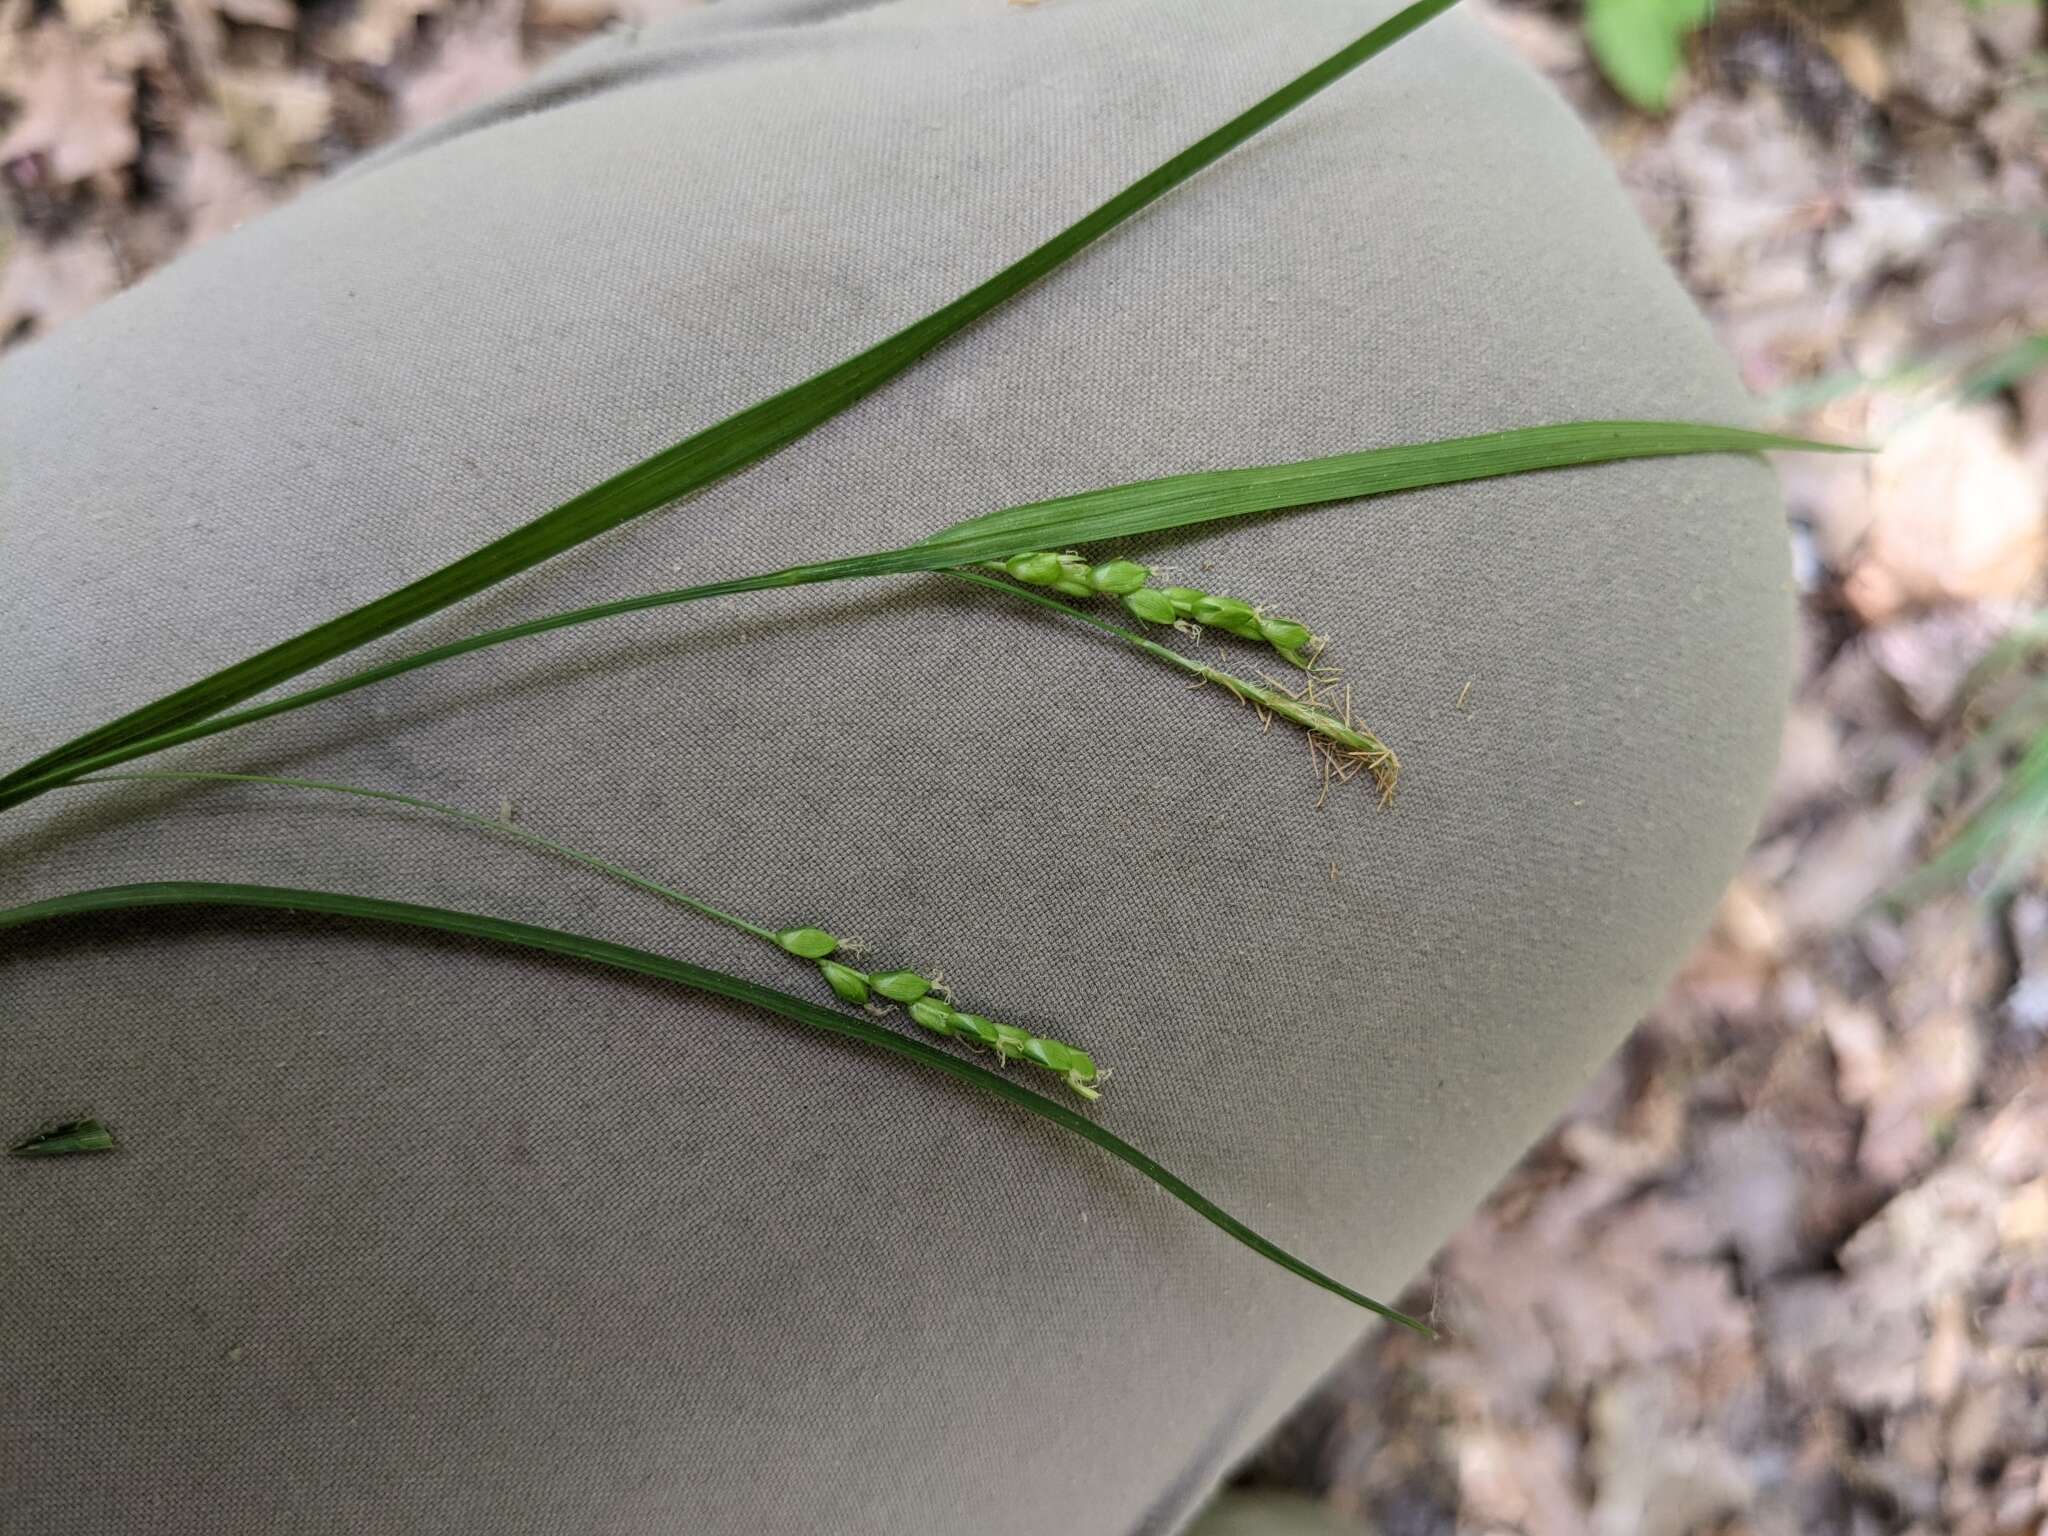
(854, 987)
(1130, 583)
(919, 994)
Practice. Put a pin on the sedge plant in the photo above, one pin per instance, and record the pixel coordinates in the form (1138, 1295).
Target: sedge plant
(926, 1000)
(208, 706)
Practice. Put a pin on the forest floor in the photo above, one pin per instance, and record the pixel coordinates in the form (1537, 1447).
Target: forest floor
(1784, 1268)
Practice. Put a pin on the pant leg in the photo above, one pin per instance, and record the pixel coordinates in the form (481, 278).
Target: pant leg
(411, 1235)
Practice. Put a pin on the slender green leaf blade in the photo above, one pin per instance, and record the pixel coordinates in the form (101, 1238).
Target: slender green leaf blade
(1123, 511)
(717, 451)
(621, 957)
(66, 1141)
(1177, 501)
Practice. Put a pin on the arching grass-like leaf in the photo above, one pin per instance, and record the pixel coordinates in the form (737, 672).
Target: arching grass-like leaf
(1090, 517)
(620, 957)
(717, 451)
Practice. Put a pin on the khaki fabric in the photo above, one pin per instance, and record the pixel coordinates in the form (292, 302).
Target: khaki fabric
(411, 1236)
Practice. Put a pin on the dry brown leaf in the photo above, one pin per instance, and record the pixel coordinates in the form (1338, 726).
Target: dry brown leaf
(473, 63)
(1955, 512)
(274, 121)
(376, 31)
(1849, 862)
(92, 15)
(2023, 1219)
(1518, 1478)
(42, 286)
(571, 15)
(260, 13)
(1656, 1474)
(213, 190)
(77, 100)
(1861, 61)
(1930, 657)
(1936, 60)
(1862, 1051)
(1935, 1067)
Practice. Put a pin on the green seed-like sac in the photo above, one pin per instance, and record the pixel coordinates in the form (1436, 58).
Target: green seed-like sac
(933, 1015)
(1230, 614)
(1010, 1040)
(807, 943)
(849, 984)
(1080, 1064)
(1073, 586)
(1285, 634)
(1151, 605)
(1049, 1054)
(900, 986)
(1184, 600)
(976, 1027)
(1039, 570)
(1119, 578)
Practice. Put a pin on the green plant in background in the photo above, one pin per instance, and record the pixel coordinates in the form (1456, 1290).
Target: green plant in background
(1994, 786)
(1967, 376)
(206, 707)
(1640, 44)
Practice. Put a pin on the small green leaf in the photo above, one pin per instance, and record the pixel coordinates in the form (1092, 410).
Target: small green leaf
(1640, 44)
(66, 1140)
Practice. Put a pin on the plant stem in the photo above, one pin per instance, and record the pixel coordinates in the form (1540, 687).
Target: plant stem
(719, 450)
(617, 871)
(1360, 746)
(1075, 1066)
(1113, 512)
(620, 957)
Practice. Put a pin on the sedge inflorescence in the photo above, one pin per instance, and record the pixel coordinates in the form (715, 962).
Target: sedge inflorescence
(926, 1003)
(1129, 582)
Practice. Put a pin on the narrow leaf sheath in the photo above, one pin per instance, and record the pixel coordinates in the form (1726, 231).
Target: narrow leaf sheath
(620, 957)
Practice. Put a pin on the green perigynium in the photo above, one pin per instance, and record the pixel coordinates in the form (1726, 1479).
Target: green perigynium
(807, 943)
(1129, 582)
